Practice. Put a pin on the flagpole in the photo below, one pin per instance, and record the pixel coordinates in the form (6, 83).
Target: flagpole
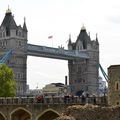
(52, 42)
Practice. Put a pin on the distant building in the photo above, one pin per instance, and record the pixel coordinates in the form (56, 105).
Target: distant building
(33, 92)
(54, 89)
(84, 73)
(114, 85)
(102, 87)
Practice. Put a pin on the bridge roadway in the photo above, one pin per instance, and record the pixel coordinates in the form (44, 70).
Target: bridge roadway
(57, 53)
(47, 108)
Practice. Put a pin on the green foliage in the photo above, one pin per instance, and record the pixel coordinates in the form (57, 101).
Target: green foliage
(7, 82)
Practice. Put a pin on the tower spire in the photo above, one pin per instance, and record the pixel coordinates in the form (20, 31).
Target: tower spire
(8, 10)
(97, 38)
(69, 41)
(83, 27)
(24, 19)
(24, 25)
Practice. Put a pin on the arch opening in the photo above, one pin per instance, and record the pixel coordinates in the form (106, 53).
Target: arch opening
(48, 115)
(2, 117)
(20, 114)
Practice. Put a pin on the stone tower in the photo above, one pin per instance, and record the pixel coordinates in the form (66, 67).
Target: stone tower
(15, 37)
(83, 73)
(114, 85)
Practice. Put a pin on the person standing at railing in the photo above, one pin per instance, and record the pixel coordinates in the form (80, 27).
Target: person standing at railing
(83, 99)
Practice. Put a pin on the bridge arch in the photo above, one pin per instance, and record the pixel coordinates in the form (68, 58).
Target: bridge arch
(2, 116)
(48, 114)
(21, 114)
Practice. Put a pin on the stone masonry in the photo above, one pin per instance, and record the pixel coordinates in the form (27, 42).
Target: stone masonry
(15, 37)
(91, 112)
(114, 85)
(83, 73)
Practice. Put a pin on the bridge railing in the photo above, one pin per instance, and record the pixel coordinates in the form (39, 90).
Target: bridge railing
(53, 100)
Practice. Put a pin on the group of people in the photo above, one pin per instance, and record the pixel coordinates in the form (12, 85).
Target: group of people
(84, 98)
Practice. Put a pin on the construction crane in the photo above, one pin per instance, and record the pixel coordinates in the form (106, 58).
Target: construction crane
(103, 72)
(6, 57)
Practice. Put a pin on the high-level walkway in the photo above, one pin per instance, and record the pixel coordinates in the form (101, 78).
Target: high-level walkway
(57, 53)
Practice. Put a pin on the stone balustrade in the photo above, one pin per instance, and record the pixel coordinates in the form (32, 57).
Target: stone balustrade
(53, 100)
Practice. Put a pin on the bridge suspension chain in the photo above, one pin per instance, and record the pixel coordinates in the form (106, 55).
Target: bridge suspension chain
(103, 72)
(6, 57)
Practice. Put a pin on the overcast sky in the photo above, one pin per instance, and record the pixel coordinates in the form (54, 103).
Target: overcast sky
(61, 18)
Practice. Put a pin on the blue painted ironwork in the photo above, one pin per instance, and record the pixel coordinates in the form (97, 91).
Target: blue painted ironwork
(103, 72)
(57, 53)
(6, 57)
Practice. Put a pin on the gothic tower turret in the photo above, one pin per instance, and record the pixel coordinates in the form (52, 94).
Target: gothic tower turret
(15, 37)
(83, 73)
(69, 43)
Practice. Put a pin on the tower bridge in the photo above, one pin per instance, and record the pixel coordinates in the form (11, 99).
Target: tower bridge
(82, 56)
(56, 53)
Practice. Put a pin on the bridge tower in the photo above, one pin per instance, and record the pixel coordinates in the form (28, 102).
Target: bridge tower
(15, 37)
(83, 73)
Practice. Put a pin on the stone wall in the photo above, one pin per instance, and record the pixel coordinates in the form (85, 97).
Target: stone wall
(114, 85)
(91, 112)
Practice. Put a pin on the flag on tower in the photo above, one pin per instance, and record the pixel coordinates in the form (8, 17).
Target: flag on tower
(49, 37)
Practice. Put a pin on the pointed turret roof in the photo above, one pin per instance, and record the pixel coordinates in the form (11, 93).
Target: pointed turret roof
(97, 39)
(69, 41)
(83, 28)
(8, 21)
(24, 26)
(83, 34)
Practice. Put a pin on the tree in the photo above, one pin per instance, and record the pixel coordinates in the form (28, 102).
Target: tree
(7, 82)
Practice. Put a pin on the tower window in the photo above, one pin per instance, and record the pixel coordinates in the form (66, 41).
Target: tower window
(16, 32)
(19, 33)
(0, 44)
(7, 32)
(0, 34)
(117, 103)
(3, 34)
(22, 34)
(117, 85)
(20, 43)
